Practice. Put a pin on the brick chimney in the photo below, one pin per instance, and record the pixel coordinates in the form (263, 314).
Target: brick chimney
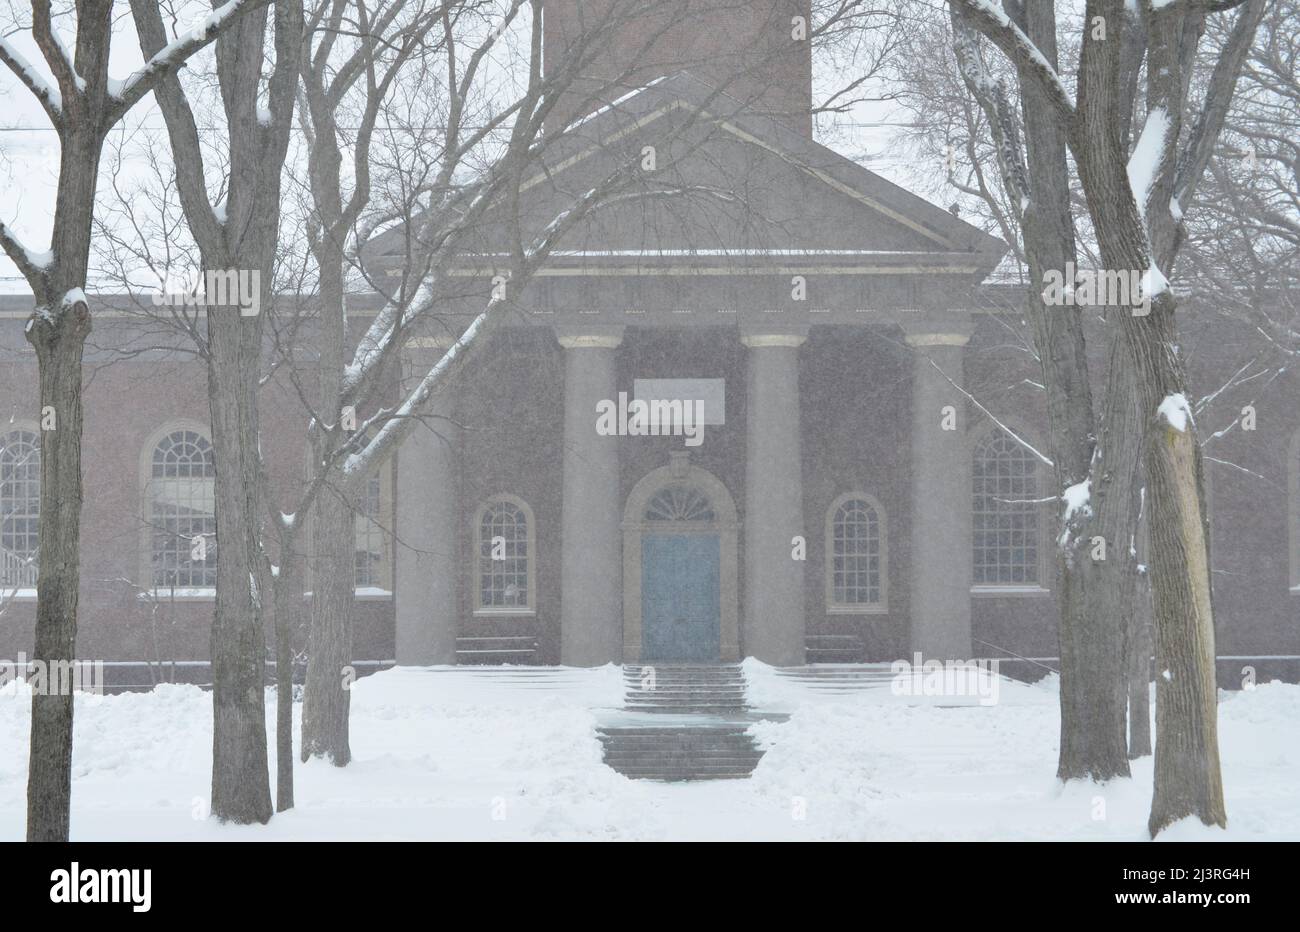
(745, 47)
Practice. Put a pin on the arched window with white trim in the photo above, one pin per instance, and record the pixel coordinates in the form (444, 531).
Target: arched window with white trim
(181, 494)
(857, 580)
(1006, 512)
(20, 508)
(504, 538)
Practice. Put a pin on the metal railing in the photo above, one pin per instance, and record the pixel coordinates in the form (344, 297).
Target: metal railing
(18, 572)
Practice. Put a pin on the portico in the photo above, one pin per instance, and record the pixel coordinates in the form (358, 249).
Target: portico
(676, 548)
(832, 503)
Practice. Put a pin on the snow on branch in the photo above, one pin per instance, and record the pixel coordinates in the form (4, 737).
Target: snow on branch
(992, 99)
(33, 265)
(1175, 412)
(990, 19)
(992, 417)
(1144, 163)
(33, 80)
(175, 53)
(432, 382)
(1077, 502)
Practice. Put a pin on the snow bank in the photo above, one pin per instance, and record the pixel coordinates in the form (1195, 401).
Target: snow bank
(446, 753)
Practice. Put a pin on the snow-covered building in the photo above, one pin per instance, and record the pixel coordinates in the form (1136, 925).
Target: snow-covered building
(861, 479)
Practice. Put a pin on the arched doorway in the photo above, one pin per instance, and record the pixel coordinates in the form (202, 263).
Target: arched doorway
(680, 568)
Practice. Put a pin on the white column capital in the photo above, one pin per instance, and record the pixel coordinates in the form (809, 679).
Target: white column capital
(590, 336)
(590, 341)
(937, 339)
(442, 342)
(929, 328)
(756, 340)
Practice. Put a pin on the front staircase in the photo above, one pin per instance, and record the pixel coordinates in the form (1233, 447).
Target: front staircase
(682, 722)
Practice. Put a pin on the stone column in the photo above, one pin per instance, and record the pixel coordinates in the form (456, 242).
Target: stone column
(773, 628)
(591, 561)
(941, 491)
(428, 523)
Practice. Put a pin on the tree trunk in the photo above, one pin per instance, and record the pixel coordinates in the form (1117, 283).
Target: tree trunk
(57, 331)
(329, 657)
(329, 675)
(1139, 671)
(1187, 776)
(1096, 608)
(59, 343)
(288, 602)
(1090, 633)
(241, 790)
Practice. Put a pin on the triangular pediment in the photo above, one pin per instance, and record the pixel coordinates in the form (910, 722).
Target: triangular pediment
(714, 183)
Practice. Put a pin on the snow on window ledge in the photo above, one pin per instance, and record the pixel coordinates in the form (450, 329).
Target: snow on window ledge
(1008, 591)
(864, 609)
(505, 612)
(199, 594)
(361, 594)
(17, 595)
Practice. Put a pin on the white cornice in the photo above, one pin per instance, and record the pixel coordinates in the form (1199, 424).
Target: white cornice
(937, 339)
(755, 340)
(590, 341)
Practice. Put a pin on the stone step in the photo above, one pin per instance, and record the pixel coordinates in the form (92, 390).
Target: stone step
(633, 746)
(662, 678)
(688, 710)
(682, 750)
(687, 773)
(648, 748)
(685, 694)
(635, 690)
(626, 764)
(682, 732)
(686, 778)
(704, 764)
(718, 762)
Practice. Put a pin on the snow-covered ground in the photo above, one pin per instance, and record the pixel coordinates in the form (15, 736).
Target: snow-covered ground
(459, 754)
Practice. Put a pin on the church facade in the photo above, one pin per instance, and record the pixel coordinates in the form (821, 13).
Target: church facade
(784, 417)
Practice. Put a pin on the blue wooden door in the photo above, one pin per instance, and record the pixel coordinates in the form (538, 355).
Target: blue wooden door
(680, 609)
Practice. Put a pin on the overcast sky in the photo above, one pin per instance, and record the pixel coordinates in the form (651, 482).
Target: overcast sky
(29, 151)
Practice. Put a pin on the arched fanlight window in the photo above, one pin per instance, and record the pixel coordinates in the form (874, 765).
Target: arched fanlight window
(679, 503)
(503, 544)
(856, 576)
(1006, 512)
(182, 502)
(20, 508)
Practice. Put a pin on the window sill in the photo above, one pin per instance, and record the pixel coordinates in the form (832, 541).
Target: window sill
(21, 594)
(504, 612)
(857, 610)
(199, 594)
(1009, 592)
(373, 594)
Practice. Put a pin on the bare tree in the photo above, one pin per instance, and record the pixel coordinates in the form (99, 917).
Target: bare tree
(457, 166)
(1135, 202)
(237, 236)
(82, 103)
